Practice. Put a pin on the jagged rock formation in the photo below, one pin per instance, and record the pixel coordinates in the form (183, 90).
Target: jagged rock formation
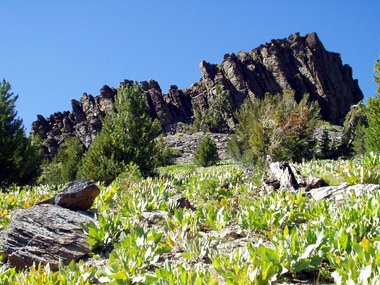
(84, 121)
(300, 63)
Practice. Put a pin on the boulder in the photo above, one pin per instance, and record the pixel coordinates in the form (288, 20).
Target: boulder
(284, 175)
(313, 182)
(154, 217)
(338, 193)
(77, 195)
(180, 202)
(46, 234)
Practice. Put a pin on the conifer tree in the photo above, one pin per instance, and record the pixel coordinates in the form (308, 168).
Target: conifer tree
(128, 136)
(18, 159)
(354, 130)
(325, 145)
(372, 141)
(214, 119)
(206, 153)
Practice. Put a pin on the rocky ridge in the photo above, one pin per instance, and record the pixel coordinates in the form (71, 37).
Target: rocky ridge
(299, 63)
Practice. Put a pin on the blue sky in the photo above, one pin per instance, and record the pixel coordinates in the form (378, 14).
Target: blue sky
(53, 51)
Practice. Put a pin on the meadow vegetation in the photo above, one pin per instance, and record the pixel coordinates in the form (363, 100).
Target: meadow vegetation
(286, 235)
(237, 231)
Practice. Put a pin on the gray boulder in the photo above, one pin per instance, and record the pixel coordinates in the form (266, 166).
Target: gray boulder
(338, 193)
(46, 234)
(78, 195)
(154, 217)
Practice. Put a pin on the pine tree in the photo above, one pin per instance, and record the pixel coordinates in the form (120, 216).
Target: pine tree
(206, 153)
(12, 138)
(215, 118)
(358, 143)
(325, 145)
(372, 142)
(128, 136)
(354, 130)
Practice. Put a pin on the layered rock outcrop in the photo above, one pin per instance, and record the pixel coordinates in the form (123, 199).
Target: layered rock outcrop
(44, 233)
(50, 232)
(299, 63)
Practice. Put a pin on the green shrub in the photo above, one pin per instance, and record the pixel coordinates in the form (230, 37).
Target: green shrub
(165, 155)
(234, 148)
(354, 129)
(64, 166)
(206, 153)
(30, 162)
(277, 126)
(131, 173)
(325, 145)
(186, 128)
(358, 143)
(365, 169)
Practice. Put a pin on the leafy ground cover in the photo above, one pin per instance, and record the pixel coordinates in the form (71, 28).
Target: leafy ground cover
(237, 233)
(359, 170)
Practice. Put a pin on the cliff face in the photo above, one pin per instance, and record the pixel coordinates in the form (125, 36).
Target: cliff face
(300, 63)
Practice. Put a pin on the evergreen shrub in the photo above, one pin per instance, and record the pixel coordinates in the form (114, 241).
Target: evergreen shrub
(206, 153)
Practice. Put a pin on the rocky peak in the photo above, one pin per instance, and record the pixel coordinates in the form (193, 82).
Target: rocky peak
(299, 63)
